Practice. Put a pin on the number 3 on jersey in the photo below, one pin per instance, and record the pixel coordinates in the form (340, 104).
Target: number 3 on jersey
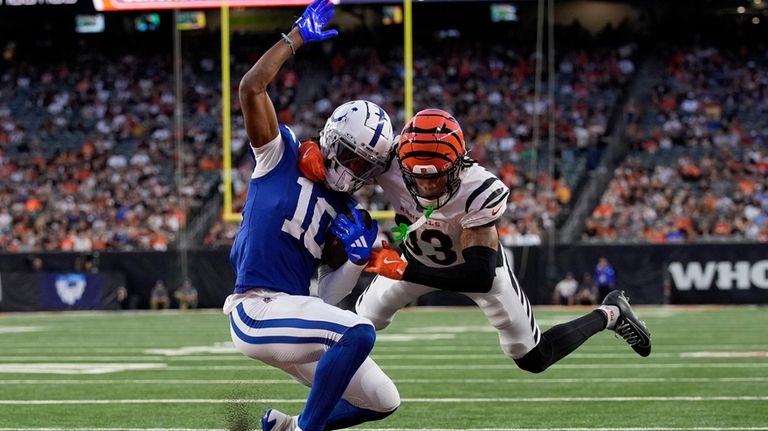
(308, 227)
(444, 246)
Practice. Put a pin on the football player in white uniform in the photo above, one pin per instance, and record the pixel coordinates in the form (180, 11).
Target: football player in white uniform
(455, 204)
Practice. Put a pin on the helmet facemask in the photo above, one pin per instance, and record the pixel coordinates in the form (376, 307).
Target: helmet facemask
(356, 142)
(347, 170)
(452, 177)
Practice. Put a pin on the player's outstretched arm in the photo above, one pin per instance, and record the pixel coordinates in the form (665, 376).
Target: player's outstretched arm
(258, 111)
(476, 274)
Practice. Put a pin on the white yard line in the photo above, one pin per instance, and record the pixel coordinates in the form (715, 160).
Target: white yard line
(490, 356)
(578, 429)
(398, 381)
(405, 400)
(419, 429)
(70, 368)
(386, 349)
(509, 366)
(113, 429)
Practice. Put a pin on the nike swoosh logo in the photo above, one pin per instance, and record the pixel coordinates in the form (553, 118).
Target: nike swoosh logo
(390, 261)
(496, 211)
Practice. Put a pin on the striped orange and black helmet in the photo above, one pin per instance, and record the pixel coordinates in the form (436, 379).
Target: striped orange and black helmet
(432, 147)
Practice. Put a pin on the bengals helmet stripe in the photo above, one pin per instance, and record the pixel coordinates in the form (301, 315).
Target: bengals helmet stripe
(431, 145)
(423, 155)
(432, 134)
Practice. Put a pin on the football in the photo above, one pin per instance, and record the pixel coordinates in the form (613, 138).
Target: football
(334, 254)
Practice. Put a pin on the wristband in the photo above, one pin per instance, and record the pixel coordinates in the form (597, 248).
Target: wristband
(288, 40)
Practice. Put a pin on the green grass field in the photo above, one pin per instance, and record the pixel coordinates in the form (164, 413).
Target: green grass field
(169, 370)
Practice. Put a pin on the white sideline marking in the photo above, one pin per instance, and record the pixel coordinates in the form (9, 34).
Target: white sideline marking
(501, 356)
(724, 354)
(578, 429)
(398, 381)
(65, 368)
(79, 350)
(113, 429)
(413, 337)
(509, 366)
(488, 347)
(223, 347)
(406, 400)
(417, 429)
(576, 366)
(225, 354)
(97, 358)
(450, 329)
(19, 329)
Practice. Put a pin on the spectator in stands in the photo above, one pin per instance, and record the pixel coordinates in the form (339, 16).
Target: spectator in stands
(121, 296)
(35, 263)
(87, 263)
(587, 292)
(605, 278)
(158, 298)
(565, 290)
(186, 295)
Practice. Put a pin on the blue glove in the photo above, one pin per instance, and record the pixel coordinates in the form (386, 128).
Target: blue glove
(358, 239)
(312, 21)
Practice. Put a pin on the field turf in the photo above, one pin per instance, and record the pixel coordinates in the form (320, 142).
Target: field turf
(178, 371)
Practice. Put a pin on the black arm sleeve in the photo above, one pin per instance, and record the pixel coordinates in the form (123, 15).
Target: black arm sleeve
(474, 275)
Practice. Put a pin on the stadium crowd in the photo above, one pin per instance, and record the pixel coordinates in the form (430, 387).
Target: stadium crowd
(87, 149)
(699, 165)
(490, 89)
(89, 162)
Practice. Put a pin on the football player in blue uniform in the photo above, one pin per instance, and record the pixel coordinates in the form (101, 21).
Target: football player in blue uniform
(283, 239)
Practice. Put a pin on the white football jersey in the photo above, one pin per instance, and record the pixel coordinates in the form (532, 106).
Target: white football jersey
(480, 200)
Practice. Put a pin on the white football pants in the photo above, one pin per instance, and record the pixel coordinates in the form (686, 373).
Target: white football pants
(292, 332)
(506, 307)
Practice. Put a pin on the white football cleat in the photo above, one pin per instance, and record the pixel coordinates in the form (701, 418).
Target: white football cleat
(275, 420)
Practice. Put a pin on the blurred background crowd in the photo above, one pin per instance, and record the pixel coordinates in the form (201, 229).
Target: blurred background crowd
(89, 159)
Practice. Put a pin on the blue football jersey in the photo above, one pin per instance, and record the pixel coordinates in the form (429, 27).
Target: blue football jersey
(285, 221)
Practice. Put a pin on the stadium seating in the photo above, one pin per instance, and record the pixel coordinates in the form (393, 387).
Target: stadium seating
(698, 169)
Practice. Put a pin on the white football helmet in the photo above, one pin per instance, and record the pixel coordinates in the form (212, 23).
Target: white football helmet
(356, 141)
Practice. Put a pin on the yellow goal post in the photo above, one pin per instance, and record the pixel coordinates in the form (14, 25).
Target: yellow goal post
(227, 213)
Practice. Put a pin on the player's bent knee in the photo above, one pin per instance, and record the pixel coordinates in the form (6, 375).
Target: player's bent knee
(378, 322)
(515, 351)
(387, 397)
(362, 336)
(533, 361)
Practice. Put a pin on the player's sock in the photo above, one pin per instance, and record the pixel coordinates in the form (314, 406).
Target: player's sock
(345, 415)
(561, 340)
(334, 371)
(611, 315)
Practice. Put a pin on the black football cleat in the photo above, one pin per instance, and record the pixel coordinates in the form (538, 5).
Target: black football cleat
(628, 326)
